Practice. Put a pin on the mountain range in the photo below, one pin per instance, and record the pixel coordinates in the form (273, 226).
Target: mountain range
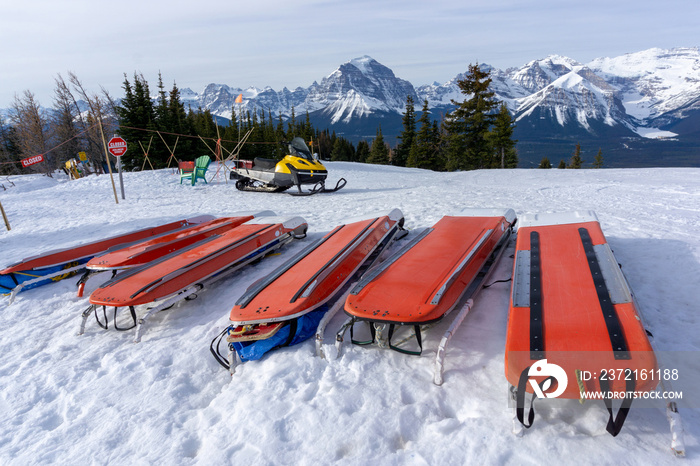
(640, 109)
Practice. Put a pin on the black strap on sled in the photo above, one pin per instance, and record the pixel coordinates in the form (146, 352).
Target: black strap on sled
(615, 332)
(215, 345)
(520, 399)
(419, 339)
(292, 333)
(105, 325)
(536, 324)
(615, 422)
(214, 348)
(372, 332)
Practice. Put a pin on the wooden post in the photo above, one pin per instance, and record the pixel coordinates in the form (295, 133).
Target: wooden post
(4, 217)
(145, 154)
(172, 151)
(109, 165)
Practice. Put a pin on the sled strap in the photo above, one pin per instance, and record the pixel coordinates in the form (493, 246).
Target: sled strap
(292, 333)
(419, 339)
(133, 317)
(104, 313)
(214, 348)
(372, 332)
(615, 332)
(520, 399)
(615, 422)
(536, 325)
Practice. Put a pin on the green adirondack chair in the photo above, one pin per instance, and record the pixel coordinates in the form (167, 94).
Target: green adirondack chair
(199, 172)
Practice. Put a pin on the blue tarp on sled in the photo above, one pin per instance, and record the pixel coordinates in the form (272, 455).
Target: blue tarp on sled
(305, 329)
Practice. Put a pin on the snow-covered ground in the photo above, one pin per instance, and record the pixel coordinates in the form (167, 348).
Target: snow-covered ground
(99, 398)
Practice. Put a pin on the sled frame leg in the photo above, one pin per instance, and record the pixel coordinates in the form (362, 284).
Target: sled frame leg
(442, 348)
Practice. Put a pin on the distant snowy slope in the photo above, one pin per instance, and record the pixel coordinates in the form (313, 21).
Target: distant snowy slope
(654, 82)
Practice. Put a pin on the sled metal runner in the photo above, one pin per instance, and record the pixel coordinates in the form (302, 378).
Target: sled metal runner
(62, 263)
(181, 274)
(298, 168)
(321, 273)
(152, 249)
(441, 270)
(572, 307)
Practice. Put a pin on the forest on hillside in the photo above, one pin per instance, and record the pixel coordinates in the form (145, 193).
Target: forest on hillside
(159, 131)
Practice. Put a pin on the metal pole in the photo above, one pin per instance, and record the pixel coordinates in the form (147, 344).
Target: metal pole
(121, 179)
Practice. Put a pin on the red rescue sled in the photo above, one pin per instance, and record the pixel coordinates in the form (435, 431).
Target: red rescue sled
(308, 281)
(573, 323)
(157, 247)
(184, 272)
(62, 263)
(441, 269)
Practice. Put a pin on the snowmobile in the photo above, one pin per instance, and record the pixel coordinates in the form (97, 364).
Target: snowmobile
(297, 168)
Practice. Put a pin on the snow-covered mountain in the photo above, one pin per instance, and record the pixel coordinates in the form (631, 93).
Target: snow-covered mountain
(642, 93)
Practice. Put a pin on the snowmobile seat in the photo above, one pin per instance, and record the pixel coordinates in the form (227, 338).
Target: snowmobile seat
(264, 164)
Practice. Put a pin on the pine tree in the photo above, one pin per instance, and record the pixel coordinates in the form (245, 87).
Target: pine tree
(545, 163)
(501, 138)
(362, 151)
(576, 160)
(598, 161)
(379, 152)
(136, 111)
(423, 153)
(342, 150)
(467, 126)
(407, 136)
(562, 164)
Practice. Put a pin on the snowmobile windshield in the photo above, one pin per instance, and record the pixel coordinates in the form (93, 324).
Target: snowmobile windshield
(298, 148)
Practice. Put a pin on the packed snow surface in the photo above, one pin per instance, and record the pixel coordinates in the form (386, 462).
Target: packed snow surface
(99, 398)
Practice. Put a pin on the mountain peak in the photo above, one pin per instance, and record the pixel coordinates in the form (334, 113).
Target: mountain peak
(364, 63)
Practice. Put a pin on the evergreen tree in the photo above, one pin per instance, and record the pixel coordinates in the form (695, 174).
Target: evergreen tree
(379, 152)
(562, 164)
(598, 161)
(407, 136)
(467, 126)
(501, 138)
(178, 124)
(576, 160)
(162, 112)
(362, 152)
(9, 150)
(545, 163)
(423, 153)
(136, 112)
(437, 137)
(342, 150)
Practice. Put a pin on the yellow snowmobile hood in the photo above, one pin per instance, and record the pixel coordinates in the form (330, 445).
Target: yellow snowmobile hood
(299, 163)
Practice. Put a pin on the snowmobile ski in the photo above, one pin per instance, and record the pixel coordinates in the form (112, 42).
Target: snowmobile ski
(574, 326)
(141, 253)
(298, 168)
(182, 273)
(295, 296)
(440, 270)
(58, 264)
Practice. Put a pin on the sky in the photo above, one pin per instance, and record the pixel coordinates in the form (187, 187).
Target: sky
(282, 43)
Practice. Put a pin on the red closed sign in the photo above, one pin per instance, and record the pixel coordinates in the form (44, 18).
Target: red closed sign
(117, 146)
(32, 160)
